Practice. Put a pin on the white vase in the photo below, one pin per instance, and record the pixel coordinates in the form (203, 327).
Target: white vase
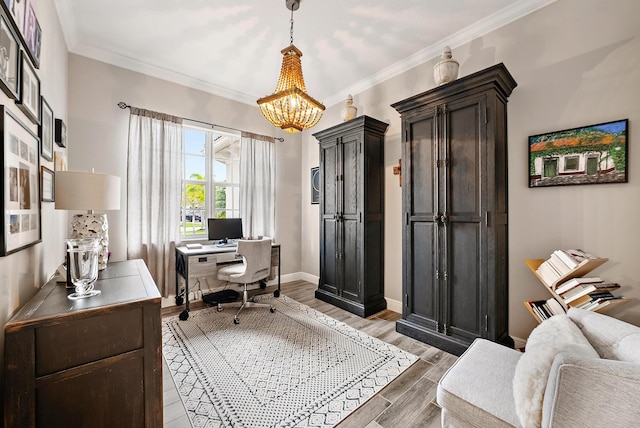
(447, 69)
(349, 111)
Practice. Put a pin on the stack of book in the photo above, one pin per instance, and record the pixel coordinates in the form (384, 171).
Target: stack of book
(544, 309)
(561, 263)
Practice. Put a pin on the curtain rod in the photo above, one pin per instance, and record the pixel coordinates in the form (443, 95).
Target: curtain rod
(124, 105)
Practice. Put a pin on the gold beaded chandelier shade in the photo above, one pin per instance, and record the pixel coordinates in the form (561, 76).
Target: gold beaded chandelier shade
(290, 107)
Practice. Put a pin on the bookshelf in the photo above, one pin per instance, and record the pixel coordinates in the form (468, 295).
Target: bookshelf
(582, 269)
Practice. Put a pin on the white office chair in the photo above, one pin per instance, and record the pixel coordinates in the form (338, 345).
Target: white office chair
(256, 266)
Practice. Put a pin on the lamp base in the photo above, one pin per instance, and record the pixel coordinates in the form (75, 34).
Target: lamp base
(93, 226)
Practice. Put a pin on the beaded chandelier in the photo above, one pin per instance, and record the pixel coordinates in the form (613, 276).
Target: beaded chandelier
(290, 107)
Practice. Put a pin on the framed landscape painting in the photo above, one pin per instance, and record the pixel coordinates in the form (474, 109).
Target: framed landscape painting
(593, 154)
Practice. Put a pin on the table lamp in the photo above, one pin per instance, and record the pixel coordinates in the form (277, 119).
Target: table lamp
(75, 190)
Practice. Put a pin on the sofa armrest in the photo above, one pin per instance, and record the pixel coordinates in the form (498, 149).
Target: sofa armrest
(584, 391)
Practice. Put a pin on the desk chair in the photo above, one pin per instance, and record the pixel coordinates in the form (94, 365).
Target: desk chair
(256, 266)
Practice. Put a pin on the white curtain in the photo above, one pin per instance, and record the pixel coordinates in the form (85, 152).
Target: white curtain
(154, 175)
(257, 185)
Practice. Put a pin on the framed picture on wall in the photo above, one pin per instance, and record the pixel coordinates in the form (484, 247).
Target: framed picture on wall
(21, 194)
(32, 34)
(315, 185)
(61, 133)
(46, 130)
(47, 184)
(592, 154)
(9, 57)
(29, 101)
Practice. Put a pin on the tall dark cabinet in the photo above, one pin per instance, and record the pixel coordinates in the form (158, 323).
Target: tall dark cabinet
(454, 203)
(352, 216)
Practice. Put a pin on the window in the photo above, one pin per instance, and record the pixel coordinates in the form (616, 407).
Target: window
(571, 163)
(211, 179)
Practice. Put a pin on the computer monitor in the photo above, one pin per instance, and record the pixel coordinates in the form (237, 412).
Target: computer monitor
(224, 228)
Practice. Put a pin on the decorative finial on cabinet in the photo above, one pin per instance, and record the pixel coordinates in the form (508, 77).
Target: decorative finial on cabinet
(447, 69)
(349, 111)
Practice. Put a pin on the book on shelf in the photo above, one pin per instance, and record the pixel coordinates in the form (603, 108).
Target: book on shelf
(584, 289)
(554, 306)
(594, 303)
(558, 265)
(568, 285)
(591, 297)
(573, 257)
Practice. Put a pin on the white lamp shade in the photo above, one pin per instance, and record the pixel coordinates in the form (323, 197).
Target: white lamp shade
(76, 190)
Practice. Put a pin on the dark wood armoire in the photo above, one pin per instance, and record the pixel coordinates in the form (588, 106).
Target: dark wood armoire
(454, 203)
(352, 215)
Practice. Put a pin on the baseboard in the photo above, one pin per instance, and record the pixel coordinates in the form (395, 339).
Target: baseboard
(394, 305)
(518, 343)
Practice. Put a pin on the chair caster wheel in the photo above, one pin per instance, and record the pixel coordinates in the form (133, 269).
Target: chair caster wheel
(276, 293)
(219, 308)
(179, 300)
(273, 310)
(263, 284)
(184, 315)
(236, 321)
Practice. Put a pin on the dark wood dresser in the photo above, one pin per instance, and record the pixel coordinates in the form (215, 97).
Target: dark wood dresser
(90, 362)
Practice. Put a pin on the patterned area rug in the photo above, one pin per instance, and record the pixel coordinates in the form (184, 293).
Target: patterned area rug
(293, 368)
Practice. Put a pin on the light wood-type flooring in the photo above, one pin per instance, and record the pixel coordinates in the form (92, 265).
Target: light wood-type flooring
(408, 401)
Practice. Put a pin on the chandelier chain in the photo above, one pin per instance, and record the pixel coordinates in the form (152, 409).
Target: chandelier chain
(291, 30)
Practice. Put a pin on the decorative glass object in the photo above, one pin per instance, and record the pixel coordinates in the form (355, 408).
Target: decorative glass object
(446, 70)
(83, 266)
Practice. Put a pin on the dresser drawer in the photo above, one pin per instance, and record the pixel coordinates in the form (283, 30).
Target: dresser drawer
(204, 265)
(85, 340)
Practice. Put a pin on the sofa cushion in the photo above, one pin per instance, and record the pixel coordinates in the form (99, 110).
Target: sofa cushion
(553, 336)
(612, 338)
(477, 388)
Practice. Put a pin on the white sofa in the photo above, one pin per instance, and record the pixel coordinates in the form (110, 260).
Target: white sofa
(581, 390)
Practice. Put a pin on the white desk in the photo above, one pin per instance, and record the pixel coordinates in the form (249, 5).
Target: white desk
(201, 262)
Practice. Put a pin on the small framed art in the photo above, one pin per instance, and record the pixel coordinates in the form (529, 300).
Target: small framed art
(9, 56)
(315, 185)
(46, 130)
(21, 195)
(29, 101)
(61, 133)
(590, 154)
(47, 184)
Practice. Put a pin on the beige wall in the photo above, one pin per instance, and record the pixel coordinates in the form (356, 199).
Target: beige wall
(576, 63)
(22, 273)
(98, 132)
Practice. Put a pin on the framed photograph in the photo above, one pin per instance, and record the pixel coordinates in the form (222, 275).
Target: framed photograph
(315, 185)
(59, 160)
(9, 56)
(21, 193)
(16, 9)
(29, 101)
(32, 33)
(47, 184)
(46, 130)
(61, 133)
(586, 155)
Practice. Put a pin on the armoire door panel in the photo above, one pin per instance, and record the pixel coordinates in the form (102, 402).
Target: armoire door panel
(350, 172)
(350, 259)
(329, 189)
(464, 281)
(422, 153)
(328, 257)
(465, 162)
(423, 296)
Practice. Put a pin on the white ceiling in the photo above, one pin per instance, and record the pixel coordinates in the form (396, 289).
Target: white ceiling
(232, 48)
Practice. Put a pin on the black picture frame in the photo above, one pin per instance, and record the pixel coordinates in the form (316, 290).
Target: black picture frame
(315, 185)
(61, 133)
(20, 201)
(592, 154)
(29, 101)
(46, 130)
(24, 22)
(47, 184)
(9, 58)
